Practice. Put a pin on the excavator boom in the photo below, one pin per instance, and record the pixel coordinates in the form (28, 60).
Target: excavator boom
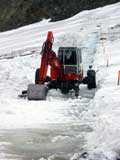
(48, 58)
(46, 49)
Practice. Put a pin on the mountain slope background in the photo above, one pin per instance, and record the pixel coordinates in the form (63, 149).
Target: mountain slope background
(14, 13)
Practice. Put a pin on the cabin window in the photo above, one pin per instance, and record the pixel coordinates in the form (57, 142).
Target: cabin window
(70, 57)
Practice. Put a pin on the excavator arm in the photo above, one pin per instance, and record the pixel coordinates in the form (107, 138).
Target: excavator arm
(48, 58)
(38, 91)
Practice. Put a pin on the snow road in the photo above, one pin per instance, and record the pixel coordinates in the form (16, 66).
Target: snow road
(62, 127)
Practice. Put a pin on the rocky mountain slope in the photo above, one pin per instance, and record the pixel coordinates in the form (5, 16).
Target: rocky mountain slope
(14, 13)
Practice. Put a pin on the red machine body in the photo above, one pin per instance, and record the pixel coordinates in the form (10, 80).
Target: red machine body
(57, 69)
(66, 68)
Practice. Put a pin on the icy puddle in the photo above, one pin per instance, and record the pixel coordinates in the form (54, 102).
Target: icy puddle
(59, 140)
(32, 144)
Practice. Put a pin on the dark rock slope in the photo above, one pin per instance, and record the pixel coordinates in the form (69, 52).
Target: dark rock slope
(16, 13)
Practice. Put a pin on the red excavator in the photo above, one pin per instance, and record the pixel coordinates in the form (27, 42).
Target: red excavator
(66, 72)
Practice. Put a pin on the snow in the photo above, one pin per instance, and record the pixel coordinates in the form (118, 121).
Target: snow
(91, 121)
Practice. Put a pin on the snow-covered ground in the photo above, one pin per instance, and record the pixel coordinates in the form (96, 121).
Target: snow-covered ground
(62, 126)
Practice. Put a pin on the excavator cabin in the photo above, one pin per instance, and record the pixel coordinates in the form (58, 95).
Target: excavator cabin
(70, 74)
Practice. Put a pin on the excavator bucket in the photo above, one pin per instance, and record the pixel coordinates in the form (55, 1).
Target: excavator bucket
(36, 92)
